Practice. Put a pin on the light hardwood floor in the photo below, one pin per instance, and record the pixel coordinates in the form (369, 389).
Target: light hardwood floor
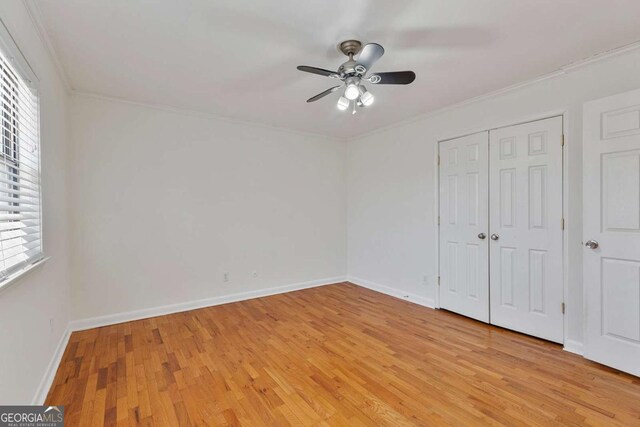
(333, 355)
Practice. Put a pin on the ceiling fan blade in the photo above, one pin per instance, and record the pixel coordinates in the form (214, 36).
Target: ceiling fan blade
(323, 94)
(369, 54)
(318, 71)
(392, 78)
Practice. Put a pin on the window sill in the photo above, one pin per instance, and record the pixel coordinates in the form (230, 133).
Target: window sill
(15, 277)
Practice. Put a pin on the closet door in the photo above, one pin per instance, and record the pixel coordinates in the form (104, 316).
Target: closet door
(464, 286)
(525, 225)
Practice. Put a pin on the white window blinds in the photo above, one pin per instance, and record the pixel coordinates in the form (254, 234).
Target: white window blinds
(20, 216)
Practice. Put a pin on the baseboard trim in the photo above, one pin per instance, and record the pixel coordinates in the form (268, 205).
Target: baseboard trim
(50, 373)
(571, 346)
(416, 299)
(575, 347)
(112, 319)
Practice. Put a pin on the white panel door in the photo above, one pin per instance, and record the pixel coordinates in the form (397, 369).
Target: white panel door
(525, 224)
(612, 222)
(464, 183)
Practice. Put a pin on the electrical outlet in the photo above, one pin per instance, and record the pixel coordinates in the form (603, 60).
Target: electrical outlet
(226, 277)
(255, 274)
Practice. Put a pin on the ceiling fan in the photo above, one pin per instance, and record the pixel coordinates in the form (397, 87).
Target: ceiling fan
(354, 72)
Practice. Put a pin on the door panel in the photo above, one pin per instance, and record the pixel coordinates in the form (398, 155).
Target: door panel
(526, 289)
(611, 134)
(464, 286)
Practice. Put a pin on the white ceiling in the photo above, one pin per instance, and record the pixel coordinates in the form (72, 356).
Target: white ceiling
(237, 58)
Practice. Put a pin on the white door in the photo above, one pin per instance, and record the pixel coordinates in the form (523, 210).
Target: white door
(464, 286)
(525, 224)
(612, 221)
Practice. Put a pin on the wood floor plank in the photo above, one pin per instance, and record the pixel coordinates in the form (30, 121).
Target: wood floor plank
(333, 355)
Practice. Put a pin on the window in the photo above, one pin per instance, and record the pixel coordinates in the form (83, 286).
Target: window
(20, 216)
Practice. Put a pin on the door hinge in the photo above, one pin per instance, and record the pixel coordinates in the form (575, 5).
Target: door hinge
(562, 224)
(562, 308)
(438, 280)
(438, 159)
(438, 219)
(562, 141)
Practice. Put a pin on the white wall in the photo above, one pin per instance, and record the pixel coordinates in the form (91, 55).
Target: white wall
(161, 204)
(166, 202)
(391, 191)
(34, 310)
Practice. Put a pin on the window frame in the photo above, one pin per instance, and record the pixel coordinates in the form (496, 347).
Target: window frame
(25, 72)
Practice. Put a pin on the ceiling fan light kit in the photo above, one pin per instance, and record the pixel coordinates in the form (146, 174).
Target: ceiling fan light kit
(353, 72)
(343, 103)
(366, 97)
(352, 92)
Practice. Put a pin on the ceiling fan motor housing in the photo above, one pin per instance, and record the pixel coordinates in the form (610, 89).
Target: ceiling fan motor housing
(351, 67)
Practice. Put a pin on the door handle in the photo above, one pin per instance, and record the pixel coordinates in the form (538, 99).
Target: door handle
(482, 236)
(592, 244)
(494, 236)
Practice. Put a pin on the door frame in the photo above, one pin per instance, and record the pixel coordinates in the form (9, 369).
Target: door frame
(564, 113)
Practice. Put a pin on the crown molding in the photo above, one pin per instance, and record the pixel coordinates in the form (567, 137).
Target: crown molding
(36, 18)
(202, 115)
(607, 54)
(564, 70)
